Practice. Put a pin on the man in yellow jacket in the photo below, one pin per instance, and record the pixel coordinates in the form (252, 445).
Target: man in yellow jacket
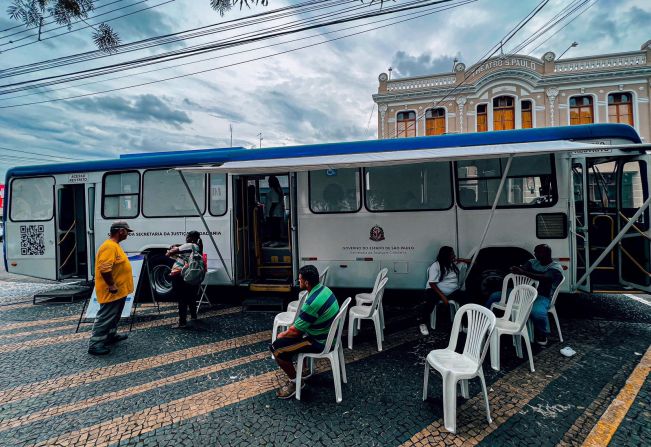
(113, 282)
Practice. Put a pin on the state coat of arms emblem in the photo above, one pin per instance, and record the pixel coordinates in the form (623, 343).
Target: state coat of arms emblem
(377, 234)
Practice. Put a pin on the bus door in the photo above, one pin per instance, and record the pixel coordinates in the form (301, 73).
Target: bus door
(262, 236)
(634, 249)
(71, 231)
(30, 231)
(242, 224)
(580, 234)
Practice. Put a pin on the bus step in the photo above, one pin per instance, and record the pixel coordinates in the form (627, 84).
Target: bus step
(274, 288)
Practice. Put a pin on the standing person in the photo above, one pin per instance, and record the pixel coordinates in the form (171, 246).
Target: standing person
(549, 274)
(113, 282)
(185, 293)
(442, 283)
(275, 208)
(310, 330)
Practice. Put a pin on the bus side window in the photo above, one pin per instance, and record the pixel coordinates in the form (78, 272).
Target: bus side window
(530, 182)
(32, 199)
(164, 194)
(421, 187)
(121, 195)
(334, 191)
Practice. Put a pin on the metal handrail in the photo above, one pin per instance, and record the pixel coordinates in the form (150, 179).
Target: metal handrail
(634, 261)
(634, 227)
(74, 224)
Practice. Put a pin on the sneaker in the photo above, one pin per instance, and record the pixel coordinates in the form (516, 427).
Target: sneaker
(423, 329)
(286, 391)
(180, 326)
(99, 350)
(542, 341)
(116, 339)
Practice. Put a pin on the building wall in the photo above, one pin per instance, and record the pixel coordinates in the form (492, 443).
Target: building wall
(547, 82)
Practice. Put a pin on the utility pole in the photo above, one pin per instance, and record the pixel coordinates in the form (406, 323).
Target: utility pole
(390, 70)
(260, 136)
(230, 126)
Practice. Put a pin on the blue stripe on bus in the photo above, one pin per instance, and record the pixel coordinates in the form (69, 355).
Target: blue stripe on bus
(212, 156)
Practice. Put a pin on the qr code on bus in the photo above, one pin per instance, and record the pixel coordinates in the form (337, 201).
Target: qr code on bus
(32, 240)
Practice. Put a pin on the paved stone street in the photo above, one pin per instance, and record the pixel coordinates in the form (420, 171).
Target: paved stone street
(216, 385)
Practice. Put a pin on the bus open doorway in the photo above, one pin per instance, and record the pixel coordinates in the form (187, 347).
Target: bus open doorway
(263, 249)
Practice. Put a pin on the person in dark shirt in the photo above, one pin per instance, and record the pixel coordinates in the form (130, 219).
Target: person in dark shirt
(549, 274)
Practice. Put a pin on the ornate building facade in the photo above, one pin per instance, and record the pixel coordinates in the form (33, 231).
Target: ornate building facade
(516, 92)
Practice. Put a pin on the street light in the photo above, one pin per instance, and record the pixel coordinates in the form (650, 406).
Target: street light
(572, 45)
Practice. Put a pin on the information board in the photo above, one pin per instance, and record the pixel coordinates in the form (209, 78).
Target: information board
(93, 305)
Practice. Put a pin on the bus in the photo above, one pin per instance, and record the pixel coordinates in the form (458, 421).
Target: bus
(355, 207)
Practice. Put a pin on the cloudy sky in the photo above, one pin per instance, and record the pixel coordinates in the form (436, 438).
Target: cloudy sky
(318, 94)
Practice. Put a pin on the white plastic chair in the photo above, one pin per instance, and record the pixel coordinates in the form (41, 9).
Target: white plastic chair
(371, 312)
(455, 367)
(332, 350)
(516, 280)
(552, 308)
(454, 308)
(366, 299)
(323, 277)
(285, 319)
(514, 322)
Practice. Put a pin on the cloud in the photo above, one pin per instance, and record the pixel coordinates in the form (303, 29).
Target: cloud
(143, 108)
(143, 24)
(407, 65)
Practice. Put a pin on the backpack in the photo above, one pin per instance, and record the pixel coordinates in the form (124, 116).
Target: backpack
(194, 271)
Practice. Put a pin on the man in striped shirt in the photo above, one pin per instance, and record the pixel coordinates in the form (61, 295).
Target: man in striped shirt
(310, 329)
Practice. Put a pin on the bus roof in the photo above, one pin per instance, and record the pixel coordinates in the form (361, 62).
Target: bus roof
(214, 156)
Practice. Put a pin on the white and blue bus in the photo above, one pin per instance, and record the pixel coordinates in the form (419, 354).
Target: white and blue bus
(355, 207)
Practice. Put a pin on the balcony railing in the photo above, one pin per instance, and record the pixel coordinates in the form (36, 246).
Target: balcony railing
(600, 63)
(420, 83)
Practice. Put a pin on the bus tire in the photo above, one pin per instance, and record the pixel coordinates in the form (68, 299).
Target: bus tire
(490, 281)
(161, 280)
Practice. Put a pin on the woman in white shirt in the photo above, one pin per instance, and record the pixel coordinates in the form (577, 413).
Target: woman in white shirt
(443, 280)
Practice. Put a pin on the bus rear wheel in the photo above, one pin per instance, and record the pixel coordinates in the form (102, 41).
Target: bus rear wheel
(161, 280)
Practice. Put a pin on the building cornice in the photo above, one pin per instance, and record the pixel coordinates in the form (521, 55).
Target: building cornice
(532, 78)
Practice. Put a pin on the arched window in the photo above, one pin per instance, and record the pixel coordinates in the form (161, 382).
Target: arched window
(435, 122)
(482, 118)
(620, 108)
(581, 111)
(527, 114)
(406, 124)
(503, 113)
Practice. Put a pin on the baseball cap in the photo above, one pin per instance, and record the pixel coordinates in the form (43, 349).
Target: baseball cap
(121, 224)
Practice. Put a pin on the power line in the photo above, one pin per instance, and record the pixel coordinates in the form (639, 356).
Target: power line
(239, 52)
(38, 153)
(263, 35)
(563, 27)
(233, 64)
(62, 26)
(487, 55)
(198, 49)
(88, 25)
(168, 38)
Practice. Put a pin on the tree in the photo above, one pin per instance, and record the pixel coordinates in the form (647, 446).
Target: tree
(32, 13)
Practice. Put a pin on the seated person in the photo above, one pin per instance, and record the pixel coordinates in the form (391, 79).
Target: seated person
(549, 274)
(443, 281)
(310, 330)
